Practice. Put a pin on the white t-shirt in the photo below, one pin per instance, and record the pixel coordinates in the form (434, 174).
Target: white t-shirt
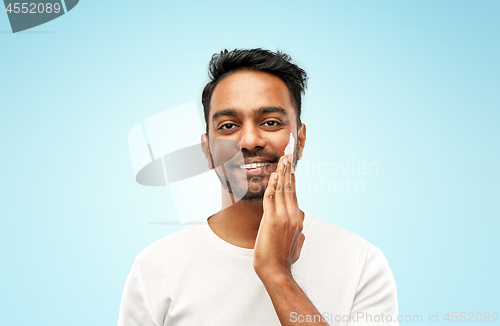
(193, 277)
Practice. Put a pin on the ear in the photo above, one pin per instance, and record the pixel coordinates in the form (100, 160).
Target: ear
(205, 147)
(302, 139)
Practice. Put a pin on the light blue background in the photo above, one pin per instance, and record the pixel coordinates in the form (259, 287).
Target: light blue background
(412, 86)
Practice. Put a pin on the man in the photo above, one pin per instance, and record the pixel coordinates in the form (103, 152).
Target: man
(261, 260)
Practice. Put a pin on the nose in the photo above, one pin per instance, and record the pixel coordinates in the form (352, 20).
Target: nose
(251, 138)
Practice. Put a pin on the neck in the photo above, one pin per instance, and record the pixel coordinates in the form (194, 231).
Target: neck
(238, 223)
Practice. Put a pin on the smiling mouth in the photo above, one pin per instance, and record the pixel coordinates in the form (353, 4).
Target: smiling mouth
(250, 166)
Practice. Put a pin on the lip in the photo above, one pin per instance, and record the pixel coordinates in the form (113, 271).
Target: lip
(268, 169)
(254, 160)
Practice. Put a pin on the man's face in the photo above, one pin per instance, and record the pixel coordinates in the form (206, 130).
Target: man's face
(255, 110)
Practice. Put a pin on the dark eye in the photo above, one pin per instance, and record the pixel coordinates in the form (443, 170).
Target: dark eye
(227, 126)
(271, 123)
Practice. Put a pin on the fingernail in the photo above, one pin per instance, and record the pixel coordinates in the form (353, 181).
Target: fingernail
(285, 161)
(275, 175)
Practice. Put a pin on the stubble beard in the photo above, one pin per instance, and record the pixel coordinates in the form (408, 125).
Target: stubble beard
(255, 186)
(250, 189)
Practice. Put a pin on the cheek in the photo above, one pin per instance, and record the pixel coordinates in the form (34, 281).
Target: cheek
(225, 151)
(277, 146)
(292, 143)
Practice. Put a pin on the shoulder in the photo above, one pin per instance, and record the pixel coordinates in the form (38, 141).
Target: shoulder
(347, 246)
(350, 262)
(329, 237)
(171, 248)
(329, 242)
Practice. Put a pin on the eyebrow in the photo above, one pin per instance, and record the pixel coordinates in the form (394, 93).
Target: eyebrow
(224, 113)
(271, 109)
(261, 111)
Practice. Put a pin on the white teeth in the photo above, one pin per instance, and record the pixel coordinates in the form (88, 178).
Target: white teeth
(253, 165)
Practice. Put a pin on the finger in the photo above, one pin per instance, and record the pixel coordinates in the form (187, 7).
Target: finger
(288, 188)
(294, 196)
(296, 239)
(279, 199)
(269, 194)
(294, 190)
(291, 195)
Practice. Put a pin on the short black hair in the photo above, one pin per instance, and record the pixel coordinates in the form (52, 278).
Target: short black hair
(276, 63)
